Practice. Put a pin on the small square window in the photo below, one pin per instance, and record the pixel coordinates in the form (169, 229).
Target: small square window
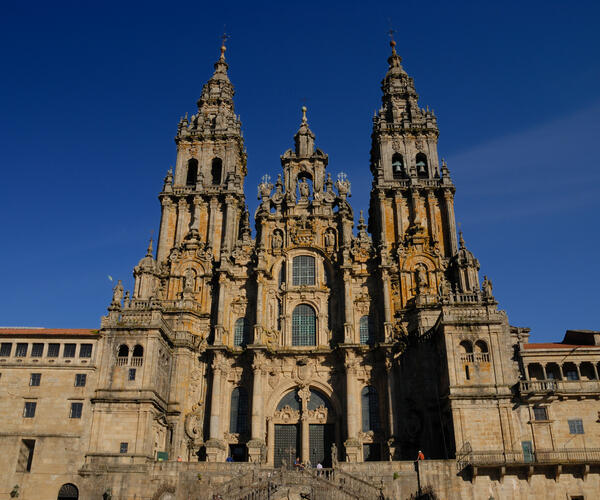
(576, 426)
(21, 350)
(76, 409)
(69, 351)
(540, 414)
(37, 350)
(80, 379)
(29, 409)
(132, 374)
(5, 349)
(35, 379)
(123, 447)
(53, 350)
(85, 351)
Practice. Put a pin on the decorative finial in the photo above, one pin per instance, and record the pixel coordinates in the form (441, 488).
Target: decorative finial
(392, 41)
(224, 37)
(461, 240)
(304, 120)
(149, 252)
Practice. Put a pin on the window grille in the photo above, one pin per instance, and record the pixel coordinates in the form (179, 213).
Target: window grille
(304, 325)
(80, 379)
(365, 330)
(85, 351)
(21, 350)
(53, 350)
(76, 409)
(238, 415)
(37, 350)
(370, 409)
(69, 351)
(35, 379)
(240, 332)
(576, 426)
(303, 270)
(540, 414)
(131, 374)
(5, 349)
(29, 409)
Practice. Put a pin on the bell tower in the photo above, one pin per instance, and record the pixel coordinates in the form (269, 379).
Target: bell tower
(203, 201)
(411, 214)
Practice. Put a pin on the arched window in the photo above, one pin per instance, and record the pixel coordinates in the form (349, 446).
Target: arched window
(397, 166)
(192, 172)
(303, 270)
(366, 336)
(481, 346)
(422, 170)
(291, 399)
(370, 409)
(238, 415)
(123, 351)
(68, 492)
(138, 351)
(304, 325)
(216, 171)
(240, 332)
(318, 399)
(466, 346)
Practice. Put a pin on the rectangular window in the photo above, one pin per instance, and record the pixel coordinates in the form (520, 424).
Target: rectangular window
(80, 379)
(572, 375)
(21, 351)
(37, 350)
(69, 351)
(35, 379)
(53, 350)
(540, 414)
(132, 374)
(25, 455)
(576, 426)
(29, 409)
(123, 447)
(76, 409)
(303, 270)
(5, 349)
(85, 351)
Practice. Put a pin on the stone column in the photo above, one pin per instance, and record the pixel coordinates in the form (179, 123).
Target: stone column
(431, 215)
(348, 309)
(196, 220)
(381, 197)
(389, 370)
(256, 444)
(165, 238)
(387, 307)
(544, 371)
(182, 210)
(415, 199)
(271, 441)
(212, 215)
(399, 201)
(229, 223)
(220, 310)
(215, 446)
(352, 444)
(595, 371)
(259, 308)
(451, 221)
(304, 394)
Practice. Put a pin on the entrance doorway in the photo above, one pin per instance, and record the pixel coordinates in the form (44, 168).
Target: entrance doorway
(68, 492)
(287, 444)
(321, 437)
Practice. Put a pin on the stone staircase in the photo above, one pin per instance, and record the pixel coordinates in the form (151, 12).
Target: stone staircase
(274, 484)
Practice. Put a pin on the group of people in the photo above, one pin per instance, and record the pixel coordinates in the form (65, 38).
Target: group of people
(298, 465)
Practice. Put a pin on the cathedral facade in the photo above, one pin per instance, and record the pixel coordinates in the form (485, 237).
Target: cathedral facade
(313, 340)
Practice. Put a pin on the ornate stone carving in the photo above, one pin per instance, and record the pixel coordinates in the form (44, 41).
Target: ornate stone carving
(286, 415)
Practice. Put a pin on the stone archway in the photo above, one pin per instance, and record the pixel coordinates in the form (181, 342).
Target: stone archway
(303, 425)
(68, 491)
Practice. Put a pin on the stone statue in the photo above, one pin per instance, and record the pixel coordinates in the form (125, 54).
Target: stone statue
(487, 286)
(329, 239)
(304, 188)
(334, 454)
(117, 294)
(277, 241)
(188, 281)
(444, 288)
(421, 278)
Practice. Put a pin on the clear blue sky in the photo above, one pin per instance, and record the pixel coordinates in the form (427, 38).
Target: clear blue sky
(91, 96)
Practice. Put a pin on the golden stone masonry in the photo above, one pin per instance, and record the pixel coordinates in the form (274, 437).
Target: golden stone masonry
(234, 357)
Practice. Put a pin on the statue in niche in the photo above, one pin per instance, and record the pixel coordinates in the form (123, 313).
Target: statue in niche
(304, 188)
(421, 278)
(444, 288)
(277, 241)
(329, 239)
(487, 287)
(189, 281)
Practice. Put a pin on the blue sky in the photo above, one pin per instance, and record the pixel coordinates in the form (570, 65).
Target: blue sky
(91, 95)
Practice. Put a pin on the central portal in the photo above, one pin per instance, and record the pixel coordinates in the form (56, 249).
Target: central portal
(302, 426)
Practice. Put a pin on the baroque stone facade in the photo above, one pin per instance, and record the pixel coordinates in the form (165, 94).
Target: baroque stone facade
(350, 349)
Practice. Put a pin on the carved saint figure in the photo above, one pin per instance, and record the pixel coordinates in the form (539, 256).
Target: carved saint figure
(117, 293)
(304, 188)
(188, 280)
(276, 241)
(487, 286)
(420, 277)
(329, 239)
(444, 288)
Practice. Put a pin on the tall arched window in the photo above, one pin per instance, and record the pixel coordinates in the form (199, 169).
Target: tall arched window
(192, 172)
(366, 335)
(397, 166)
(481, 346)
(240, 332)
(303, 270)
(138, 351)
(422, 170)
(370, 409)
(238, 415)
(216, 171)
(304, 325)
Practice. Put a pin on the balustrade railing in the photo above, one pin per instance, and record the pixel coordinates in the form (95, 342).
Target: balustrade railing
(137, 360)
(475, 357)
(122, 360)
(563, 386)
